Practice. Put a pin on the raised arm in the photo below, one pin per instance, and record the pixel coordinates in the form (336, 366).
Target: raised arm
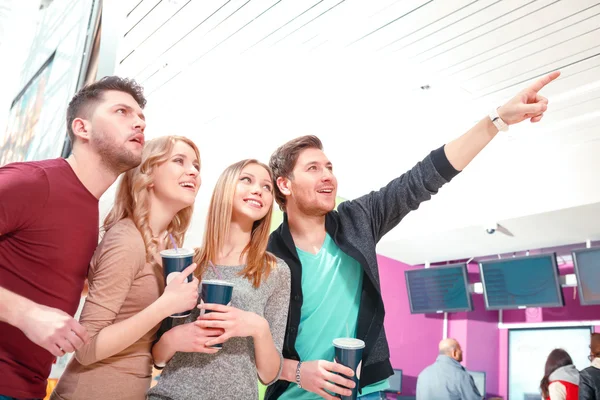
(526, 105)
(386, 207)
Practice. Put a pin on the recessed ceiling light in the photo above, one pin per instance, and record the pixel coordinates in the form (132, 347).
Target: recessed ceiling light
(425, 87)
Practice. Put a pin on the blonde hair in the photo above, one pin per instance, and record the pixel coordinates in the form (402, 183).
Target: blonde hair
(133, 201)
(259, 262)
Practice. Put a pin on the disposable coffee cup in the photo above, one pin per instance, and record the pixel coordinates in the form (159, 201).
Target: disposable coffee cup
(348, 352)
(174, 262)
(215, 292)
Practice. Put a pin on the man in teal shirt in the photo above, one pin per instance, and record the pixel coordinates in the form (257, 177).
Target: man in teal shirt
(331, 286)
(335, 290)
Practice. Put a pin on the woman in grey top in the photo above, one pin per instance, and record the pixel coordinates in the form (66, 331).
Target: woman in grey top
(252, 328)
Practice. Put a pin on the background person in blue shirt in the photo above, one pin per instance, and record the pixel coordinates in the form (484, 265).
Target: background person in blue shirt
(446, 379)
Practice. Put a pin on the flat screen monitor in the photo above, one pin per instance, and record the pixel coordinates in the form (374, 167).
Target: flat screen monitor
(521, 282)
(395, 382)
(438, 289)
(479, 379)
(587, 270)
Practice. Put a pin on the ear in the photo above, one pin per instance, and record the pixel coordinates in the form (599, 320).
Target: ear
(284, 185)
(82, 128)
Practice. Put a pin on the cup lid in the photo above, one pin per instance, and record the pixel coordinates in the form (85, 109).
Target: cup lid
(216, 282)
(348, 343)
(172, 253)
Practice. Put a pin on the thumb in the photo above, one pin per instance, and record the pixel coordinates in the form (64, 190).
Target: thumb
(534, 109)
(186, 272)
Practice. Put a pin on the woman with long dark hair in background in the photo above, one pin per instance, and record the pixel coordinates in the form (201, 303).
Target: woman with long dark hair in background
(561, 378)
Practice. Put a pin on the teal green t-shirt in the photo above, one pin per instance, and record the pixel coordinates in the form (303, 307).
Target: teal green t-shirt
(331, 288)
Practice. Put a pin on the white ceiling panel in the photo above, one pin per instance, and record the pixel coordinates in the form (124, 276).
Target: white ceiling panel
(409, 31)
(139, 11)
(510, 40)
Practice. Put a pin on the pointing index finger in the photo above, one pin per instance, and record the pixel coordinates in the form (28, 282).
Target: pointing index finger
(540, 83)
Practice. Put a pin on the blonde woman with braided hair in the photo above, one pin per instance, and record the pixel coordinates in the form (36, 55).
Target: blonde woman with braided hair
(127, 298)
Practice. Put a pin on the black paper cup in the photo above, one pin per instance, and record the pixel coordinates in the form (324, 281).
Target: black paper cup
(215, 292)
(348, 352)
(174, 262)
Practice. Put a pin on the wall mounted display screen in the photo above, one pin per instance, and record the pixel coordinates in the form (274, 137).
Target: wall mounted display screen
(531, 281)
(587, 270)
(438, 289)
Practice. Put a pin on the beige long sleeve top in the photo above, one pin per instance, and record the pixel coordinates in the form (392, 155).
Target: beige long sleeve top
(121, 284)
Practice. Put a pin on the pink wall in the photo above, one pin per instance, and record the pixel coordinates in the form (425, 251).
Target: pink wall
(413, 338)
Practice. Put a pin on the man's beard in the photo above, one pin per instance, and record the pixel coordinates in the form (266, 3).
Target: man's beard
(116, 158)
(314, 210)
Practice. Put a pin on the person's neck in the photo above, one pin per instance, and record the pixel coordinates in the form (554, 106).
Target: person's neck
(235, 243)
(91, 171)
(308, 231)
(160, 216)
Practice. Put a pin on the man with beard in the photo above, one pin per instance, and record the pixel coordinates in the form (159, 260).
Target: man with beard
(332, 253)
(446, 378)
(49, 231)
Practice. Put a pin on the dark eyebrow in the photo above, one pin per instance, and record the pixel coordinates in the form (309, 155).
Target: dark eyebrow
(130, 109)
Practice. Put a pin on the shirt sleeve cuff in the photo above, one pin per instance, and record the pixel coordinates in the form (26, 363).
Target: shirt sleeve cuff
(442, 164)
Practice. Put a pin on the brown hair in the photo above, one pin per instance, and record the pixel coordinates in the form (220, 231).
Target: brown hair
(259, 262)
(84, 101)
(556, 359)
(283, 161)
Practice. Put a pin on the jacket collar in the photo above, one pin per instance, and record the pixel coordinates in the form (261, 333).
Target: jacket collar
(444, 359)
(288, 240)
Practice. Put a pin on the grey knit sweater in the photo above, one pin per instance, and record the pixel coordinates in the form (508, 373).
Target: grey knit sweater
(230, 373)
